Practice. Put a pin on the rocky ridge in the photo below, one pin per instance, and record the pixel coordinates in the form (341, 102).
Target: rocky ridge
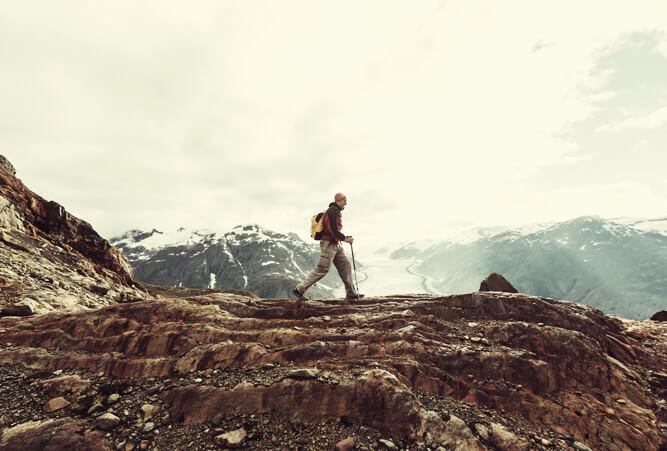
(53, 260)
(484, 370)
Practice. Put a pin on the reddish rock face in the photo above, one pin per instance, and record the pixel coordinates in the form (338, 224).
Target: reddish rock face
(496, 282)
(50, 221)
(51, 259)
(474, 371)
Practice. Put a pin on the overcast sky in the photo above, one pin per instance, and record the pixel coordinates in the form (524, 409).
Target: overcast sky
(432, 116)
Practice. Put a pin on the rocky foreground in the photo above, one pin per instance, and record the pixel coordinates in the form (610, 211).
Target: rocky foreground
(485, 370)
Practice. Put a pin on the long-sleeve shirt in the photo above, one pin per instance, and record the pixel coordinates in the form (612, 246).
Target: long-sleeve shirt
(332, 230)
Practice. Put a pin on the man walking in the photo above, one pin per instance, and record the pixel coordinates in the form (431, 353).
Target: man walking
(332, 251)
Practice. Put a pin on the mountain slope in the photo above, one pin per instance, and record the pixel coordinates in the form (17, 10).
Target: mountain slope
(49, 259)
(268, 263)
(619, 267)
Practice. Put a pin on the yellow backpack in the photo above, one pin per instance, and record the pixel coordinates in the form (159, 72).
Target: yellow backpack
(317, 226)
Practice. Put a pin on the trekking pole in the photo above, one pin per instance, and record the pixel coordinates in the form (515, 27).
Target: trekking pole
(355, 271)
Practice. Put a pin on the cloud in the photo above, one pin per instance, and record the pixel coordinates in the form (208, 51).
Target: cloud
(654, 119)
(152, 114)
(540, 45)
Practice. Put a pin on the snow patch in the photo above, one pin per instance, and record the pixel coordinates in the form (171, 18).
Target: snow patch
(245, 275)
(158, 239)
(512, 232)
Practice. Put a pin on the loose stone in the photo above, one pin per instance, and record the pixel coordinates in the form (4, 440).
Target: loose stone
(56, 404)
(581, 447)
(345, 445)
(232, 439)
(388, 443)
(107, 421)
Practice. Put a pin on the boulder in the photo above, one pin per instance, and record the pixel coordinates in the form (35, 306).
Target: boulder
(97, 407)
(70, 384)
(56, 404)
(16, 310)
(233, 439)
(660, 316)
(496, 282)
(60, 433)
(345, 445)
(388, 444)
(107, 421)
(148, 410)
(503, 439)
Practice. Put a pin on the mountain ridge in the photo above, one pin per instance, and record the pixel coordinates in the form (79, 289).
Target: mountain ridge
(251, 257)
(607, 264)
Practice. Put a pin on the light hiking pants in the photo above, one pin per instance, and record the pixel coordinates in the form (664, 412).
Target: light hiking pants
(330, 252)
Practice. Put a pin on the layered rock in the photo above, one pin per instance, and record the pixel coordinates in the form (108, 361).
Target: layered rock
(483, 370)
(51, 259)
(62, 434)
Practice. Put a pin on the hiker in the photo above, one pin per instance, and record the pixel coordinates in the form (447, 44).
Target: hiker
(332, 251)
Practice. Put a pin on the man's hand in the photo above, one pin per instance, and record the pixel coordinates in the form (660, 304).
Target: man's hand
(349, 239)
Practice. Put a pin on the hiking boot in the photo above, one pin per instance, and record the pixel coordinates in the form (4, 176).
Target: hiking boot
(299, 295)
(354, 297)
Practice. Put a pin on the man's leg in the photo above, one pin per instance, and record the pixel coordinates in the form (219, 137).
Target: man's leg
(327, 253)
(344, 269)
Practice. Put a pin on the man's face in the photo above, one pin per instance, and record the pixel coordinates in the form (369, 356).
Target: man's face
(342, 203)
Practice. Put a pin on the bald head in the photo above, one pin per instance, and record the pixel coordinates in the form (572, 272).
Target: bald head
(341, 200)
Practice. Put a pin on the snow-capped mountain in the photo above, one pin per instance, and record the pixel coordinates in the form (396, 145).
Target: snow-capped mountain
(618, 265)
(658, 225)
(268, 263)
